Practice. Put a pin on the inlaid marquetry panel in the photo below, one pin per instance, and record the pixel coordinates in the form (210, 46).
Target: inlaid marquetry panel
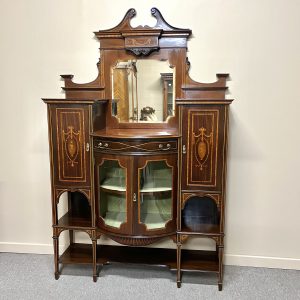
(203, 140)
(70, 140)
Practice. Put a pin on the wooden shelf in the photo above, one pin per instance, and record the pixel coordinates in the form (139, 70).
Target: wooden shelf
(114, 184)
(77, 254)
(204, 229)
(69, 220)
(112, 189)
(191, 260)
(136, 255)
(157, 186)
(201, 261)
(155, 189)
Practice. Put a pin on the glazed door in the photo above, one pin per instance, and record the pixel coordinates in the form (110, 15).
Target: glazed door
(69, 127)
(155, 191)
(113, 190)
(203, 146)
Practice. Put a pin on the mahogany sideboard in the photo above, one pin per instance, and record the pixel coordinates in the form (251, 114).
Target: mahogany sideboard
(140, 153)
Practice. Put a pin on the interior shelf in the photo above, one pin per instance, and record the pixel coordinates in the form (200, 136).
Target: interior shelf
(161, 185)
(152, 220)
(113, 189)
(191, 260)
(114, 184)
(77, 254)
(155, 189)
(136, 255)
(201, 261)
(205, 229)
(71, 220)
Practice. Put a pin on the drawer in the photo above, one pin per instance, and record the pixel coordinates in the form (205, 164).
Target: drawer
(135, 146)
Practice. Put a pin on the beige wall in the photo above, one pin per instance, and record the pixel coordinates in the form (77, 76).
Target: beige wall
(257, 42)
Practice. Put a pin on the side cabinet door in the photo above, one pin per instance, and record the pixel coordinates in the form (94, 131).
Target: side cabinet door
(203, 146)
(69, 126)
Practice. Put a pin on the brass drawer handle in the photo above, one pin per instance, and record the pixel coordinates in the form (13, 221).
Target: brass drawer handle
(161, 147)
(102, 146)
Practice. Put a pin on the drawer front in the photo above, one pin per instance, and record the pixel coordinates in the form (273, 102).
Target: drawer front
(161, 146)
(69, 132)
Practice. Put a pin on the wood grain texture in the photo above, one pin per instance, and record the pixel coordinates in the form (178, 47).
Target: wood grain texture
(83, 134)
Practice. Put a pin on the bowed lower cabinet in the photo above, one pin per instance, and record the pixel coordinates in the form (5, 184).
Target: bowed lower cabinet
(139, 155)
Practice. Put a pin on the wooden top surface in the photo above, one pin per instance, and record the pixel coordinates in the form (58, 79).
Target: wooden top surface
(143, 133)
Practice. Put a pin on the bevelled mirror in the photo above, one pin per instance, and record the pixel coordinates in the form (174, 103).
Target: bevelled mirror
(143, 90)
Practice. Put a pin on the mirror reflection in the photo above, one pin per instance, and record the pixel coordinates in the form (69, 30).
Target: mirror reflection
(143, 90)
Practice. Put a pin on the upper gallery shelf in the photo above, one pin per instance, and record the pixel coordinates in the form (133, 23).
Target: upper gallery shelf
(124, 77)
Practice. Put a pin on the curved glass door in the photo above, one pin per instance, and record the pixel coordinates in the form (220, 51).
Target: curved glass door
(155, 194)
(112, 192)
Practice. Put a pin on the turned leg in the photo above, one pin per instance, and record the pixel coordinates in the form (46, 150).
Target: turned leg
(71, 232)
(56, 256)
(179, 263)
(94, 244)
(220, 279)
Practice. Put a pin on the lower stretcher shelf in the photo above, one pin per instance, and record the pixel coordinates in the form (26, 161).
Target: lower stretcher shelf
(191, 260)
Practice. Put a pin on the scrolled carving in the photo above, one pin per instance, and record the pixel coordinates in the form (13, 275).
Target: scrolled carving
(218, 240)
(142, 51)
(57, 231)
(91, 233)
(85, 192)
(58, 193)
(182, 238)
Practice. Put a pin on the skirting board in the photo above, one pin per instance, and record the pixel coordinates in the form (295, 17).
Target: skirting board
(262, 261)
(230, 259)
(29, 248)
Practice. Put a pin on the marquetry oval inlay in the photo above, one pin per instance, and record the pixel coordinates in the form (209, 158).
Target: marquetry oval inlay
(71, 139)
(202, 149)
(202, 143)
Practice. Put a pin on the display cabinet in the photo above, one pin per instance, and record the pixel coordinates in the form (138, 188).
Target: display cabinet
(140, 153)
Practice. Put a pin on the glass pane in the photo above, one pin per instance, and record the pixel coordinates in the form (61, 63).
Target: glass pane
(170, 106)
(155, 194)
(142, 89)
(112, 193)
